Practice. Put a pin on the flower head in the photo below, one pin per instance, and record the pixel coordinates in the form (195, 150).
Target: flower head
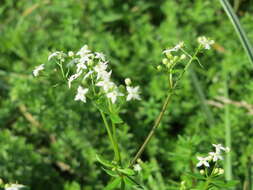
(219, 148)
(176, 48)
(137, 167)
(84, 52)
(38, 69)
(205, 42)
(53, 55)
(81, 92)
(99, 55)
(202, 161)
(215, 156)
(73, 77)
(113, 95)
(133, 93)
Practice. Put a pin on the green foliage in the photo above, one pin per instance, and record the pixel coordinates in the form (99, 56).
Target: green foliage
(48, 141)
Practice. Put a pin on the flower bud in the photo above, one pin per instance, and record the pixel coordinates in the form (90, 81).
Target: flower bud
(159, 67)
(175, 58)
(90, 63)
(128, 81)
(71, 54)
(169, 55)
(165, 61)
(216, 171)
(202, 172)
(182, 57)
(221, 171)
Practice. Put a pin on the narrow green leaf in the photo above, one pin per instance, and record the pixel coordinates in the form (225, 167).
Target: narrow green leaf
(114, 184)
(115, 118)
(127, 171)
(196, 176)
(110, 172)
(104, 162)
(238, 28)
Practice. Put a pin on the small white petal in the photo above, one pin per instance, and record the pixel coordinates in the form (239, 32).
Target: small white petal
(38, 69)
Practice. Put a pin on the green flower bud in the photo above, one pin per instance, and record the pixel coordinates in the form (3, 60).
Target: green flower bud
(159, 67)
(169, 55)
(165, 61)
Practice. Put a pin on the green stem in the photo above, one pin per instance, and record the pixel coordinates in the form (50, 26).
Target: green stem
(118, 157)
(206, 187)
(161, 114)
(114, 134)
(151, 133)
(228, 163)
(116, 152)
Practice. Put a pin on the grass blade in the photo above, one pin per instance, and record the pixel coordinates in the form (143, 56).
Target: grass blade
(238, 28)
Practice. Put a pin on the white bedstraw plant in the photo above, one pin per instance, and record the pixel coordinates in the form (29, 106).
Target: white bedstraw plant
(88, 73)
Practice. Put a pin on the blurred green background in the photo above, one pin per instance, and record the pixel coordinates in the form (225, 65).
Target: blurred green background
(48, 141)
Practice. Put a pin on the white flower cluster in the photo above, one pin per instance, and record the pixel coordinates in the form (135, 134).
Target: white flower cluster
(93, 67)
(205, 42)
(213, 156)
(13, 187)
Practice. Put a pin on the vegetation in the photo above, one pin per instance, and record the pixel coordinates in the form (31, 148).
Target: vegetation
(49, 141)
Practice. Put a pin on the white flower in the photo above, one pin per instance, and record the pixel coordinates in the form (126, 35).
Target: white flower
(38, 69)
(84, 52)
(85, 59)
(113, 95)
(81, 92)
(14, 187)
(215, 156)
(133, 93)
(219, 147)
(53, 55)
(87, 75)
(80, 66)
(106, 85)
(137, 167)
(104, 75)
(176, 48)
(73, 77)
(101, 66)
(100, 56)
(205, 42)
(202, 161)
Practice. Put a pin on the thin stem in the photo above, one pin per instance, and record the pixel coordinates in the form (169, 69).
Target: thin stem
(228, 162)
(207, 184)
(151, 133)
(161, 114)
(118, 157)
(114, 134)
(109, 133)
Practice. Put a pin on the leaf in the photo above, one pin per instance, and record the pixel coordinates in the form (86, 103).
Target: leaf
(102, 105)
(219, 183)
(110, 172)
(104, 162)
(115, 118)
(238, 28)
(131, 182)
(127, 171)
(196, 176)
(114, 184)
